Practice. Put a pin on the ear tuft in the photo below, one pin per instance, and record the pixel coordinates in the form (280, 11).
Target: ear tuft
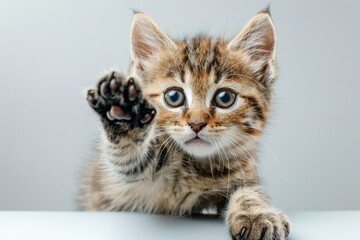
(266, 10)
(147, 38)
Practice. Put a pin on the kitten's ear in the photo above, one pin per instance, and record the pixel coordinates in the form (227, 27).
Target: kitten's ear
(147, 38)
(257, 40)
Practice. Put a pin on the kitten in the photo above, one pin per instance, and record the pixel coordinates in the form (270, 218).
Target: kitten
(179, 134)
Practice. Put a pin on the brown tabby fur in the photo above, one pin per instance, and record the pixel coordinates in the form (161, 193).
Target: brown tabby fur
(147, 169)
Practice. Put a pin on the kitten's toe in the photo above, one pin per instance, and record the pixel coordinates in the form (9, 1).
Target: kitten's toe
(104, 89)
(92, 98)
(148, 116)
(240, 227)
(114, 86)
(241, 234)
(132, 90)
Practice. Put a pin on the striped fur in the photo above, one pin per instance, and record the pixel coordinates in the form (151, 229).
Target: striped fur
(153, 169)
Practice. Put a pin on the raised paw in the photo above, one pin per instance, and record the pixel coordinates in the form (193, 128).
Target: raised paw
(263, 225)
(120, 103)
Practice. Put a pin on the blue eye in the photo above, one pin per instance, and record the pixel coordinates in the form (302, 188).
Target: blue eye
(224, 98)
(174, 97)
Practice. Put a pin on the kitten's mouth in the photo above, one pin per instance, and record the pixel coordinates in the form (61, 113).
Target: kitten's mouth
(197, 140)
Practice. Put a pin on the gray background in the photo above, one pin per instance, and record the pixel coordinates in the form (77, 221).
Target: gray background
(51, 50)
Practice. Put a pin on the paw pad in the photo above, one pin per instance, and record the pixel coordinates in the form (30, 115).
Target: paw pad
(120, 100)
(118, 113)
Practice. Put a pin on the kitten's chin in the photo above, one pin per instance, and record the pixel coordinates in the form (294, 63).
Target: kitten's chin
(199, 148)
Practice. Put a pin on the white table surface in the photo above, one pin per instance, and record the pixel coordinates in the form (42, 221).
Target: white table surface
(134, 226)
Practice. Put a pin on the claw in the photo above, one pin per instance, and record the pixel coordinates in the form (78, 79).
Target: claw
(242, 232)
(238, 237)
(263, 232)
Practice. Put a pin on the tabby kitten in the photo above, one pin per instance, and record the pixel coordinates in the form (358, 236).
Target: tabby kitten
(180, 132)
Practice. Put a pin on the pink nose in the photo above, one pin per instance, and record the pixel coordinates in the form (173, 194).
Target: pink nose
(196, 127)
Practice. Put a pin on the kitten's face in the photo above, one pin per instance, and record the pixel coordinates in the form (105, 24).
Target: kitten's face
(211, 94)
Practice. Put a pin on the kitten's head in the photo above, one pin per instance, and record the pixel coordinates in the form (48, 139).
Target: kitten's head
(211, 94)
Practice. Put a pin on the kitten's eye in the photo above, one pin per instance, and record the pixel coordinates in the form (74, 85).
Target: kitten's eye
(224, 98)
(174, 97)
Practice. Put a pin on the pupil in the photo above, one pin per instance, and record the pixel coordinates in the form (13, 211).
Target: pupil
(225, 97)
(174, 96)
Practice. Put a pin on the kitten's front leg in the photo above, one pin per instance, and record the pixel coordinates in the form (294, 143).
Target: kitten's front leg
(250, 217)
(126, 116)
